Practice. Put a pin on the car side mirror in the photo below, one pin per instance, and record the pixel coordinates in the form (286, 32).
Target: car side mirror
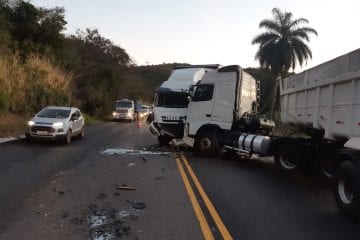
(191, 90)
(74, 117)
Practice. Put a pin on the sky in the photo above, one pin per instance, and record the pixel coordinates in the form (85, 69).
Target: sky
(209, 31)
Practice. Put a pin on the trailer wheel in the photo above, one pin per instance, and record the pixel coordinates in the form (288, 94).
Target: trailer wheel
(206, 144)
(287, 158)
(347, 189)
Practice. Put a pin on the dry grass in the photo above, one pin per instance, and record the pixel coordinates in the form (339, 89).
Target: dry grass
(12, 125)
(26, 86)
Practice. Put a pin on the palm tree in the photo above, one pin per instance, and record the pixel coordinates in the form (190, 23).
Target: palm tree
(282, 46)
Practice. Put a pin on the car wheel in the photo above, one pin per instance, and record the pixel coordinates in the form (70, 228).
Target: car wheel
(28, 137)
(82, 133)
(67, 139)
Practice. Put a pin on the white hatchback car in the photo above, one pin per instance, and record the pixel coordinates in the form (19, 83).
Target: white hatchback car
(56, 123)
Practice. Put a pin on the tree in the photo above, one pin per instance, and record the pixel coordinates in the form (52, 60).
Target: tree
(282, 46)
(33, 29)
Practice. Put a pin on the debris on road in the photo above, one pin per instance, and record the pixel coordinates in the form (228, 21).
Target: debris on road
(131, 165)
(122, 151)
(125, 188)
(144, 159)
(102, 195)
(108, 223)
(137, 205)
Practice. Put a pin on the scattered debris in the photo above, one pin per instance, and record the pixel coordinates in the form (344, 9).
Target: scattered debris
(105, 223)
(64, 214)
(160, 178)
(131, 165)
(125, 188)
(116, 194)
(102, 195)
(61, 192)
(120, 151)
(144, 159)
(137, 205)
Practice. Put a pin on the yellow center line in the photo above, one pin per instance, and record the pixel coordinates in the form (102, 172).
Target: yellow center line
(219, 223)
(198, 212)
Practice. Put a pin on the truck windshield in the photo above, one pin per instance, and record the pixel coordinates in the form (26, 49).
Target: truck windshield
(124, 104)
(172, 100)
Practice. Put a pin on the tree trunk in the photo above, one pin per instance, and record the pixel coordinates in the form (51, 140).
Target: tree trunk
(275, 97)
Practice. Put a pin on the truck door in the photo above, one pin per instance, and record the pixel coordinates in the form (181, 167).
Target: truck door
(224, 95)
(200, 108)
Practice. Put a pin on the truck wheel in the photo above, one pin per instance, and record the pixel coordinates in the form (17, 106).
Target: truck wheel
(164, 140)
(287, 158)
(327, 169)
(206, 144)
(347, 189)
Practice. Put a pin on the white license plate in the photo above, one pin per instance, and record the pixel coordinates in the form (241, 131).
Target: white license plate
(121, 115)
(172, 117)
(42, 133)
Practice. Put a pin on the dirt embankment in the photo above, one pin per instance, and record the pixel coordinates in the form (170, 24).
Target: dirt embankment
(12, 125)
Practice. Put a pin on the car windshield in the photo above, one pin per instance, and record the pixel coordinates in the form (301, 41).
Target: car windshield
(172, 100)
(54, 113)
(124, 104)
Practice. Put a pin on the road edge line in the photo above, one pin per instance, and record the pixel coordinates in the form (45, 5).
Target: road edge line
(216, 217)
(197, 209)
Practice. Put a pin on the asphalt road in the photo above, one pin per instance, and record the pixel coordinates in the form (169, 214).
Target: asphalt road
(257, 202)
(53, 191)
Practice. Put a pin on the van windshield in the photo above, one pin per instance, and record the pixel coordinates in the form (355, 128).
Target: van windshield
(124, 104)
(172, 100)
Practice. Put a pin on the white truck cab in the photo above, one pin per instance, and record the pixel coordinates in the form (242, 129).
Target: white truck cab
(171, 101)
(219, 102)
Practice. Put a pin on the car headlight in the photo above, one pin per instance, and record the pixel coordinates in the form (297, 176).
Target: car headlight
(114, 114)
(58, 124)
(141, 114)
(31, 123)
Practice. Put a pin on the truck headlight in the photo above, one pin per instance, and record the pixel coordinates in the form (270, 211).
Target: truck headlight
(58, 124)
(129, 114)
(141, 114)
(31, 123)
(114, 114)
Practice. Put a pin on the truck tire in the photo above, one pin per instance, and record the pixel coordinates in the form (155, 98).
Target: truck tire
(347, 189)
(164, 140)
(288, 158)
(206, 144)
